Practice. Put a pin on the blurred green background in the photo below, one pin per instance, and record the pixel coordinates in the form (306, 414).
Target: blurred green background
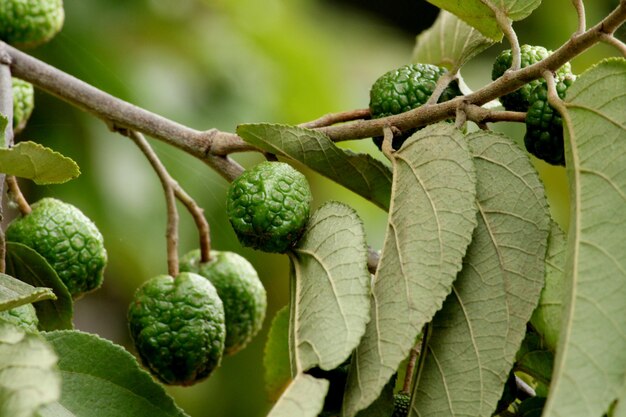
(217, 63)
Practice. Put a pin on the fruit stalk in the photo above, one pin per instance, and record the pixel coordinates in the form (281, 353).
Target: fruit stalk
(17, 196)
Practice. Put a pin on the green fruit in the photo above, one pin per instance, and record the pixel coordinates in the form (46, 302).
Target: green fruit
(177, 326)
(240, 290)
(544, 126)
(404, 89)
(268, 206)
(401, 403)
(30, 22)
(23, 316)
(67, 239)
(23, 103)
(519, 100)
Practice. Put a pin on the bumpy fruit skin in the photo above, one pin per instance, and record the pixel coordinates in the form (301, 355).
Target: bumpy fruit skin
(519, 100)
(30, 22)
(67, 239)
(23, 317)
(404, 89)
(240, 290)
(268, 206)
(544, 126)
(401, 403)
(23, 103)
(177, 326)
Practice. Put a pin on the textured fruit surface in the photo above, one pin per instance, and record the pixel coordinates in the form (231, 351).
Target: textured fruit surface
(30, 22)
(67, 239)
(23, 103)
(544, 126)
(177, 326)
(23, 316)
(401, 403)
(519, 100)
(240, 290)
(268, 206)
(404, 89)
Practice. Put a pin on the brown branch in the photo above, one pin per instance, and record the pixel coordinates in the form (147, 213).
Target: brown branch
(509, 82)
(6, 109)
(410, 367)
(480, 115)
(334, 118)
(121, 115)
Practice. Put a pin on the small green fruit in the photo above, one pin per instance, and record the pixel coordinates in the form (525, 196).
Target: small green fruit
(544, 126)
(401, 403)
(30, 22)
(519, 100)
(268, 206)
(177, 326)
(67, 239)
(23, 103)
(239, 288)
(404, 89)
(23, 317)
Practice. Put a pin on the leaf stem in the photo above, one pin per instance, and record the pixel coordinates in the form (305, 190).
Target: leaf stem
(14, 191)
(440, 87)
(579, 5)
(168, 187)
(426, 332)
(410, 367)
(387, 146)
(614, 42)
(506, 25)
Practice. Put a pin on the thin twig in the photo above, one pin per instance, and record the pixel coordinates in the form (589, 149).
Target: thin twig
(440, 87)
(614, 42)
(506, 25)
(334, 118)
(14, 191)
(373, 257)
(410, 367)
(387, 146)
(579, 5)
(6, 109)
(201, 223)
(170, 200)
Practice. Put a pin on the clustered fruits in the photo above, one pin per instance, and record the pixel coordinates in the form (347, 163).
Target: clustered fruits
(544, 127)
(23, 103)
(404, 89)
(401, 403)
(28, 23)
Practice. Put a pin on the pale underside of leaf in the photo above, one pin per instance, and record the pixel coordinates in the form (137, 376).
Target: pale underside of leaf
(449, 42)
(28, 375)
(432, 216)
(38, 163)
(476, 334)
(481, 13)
(591, 359)
(360, 173)
(304, 397)
(14, 293)
(330, 300)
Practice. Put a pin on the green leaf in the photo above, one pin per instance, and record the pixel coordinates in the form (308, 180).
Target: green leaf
(532, 407)
(481, 13)
(14, 293)
(430, 225)
(476, 334)
(547, 317)
(330, 289)
(101, 379)
(591, 361)
(535, 359)
(276, 355)
(304, 397)
(30, 267)
(449, 42)
(360, 173)
(38, 163)
(28, 374)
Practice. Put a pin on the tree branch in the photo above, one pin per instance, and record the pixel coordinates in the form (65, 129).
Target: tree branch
(6, 109)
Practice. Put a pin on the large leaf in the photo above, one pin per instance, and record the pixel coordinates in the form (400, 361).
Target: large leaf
(28, 374)
(330, 290)
(449, 42)
(548, 316)
(481, 13)
(476, 334)
(101, 379)
(431, 219)
(360, 173)
(591, 359)
(304, 397)
(14, 293)
(276, 355)
(38, 163)
(29, 266)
